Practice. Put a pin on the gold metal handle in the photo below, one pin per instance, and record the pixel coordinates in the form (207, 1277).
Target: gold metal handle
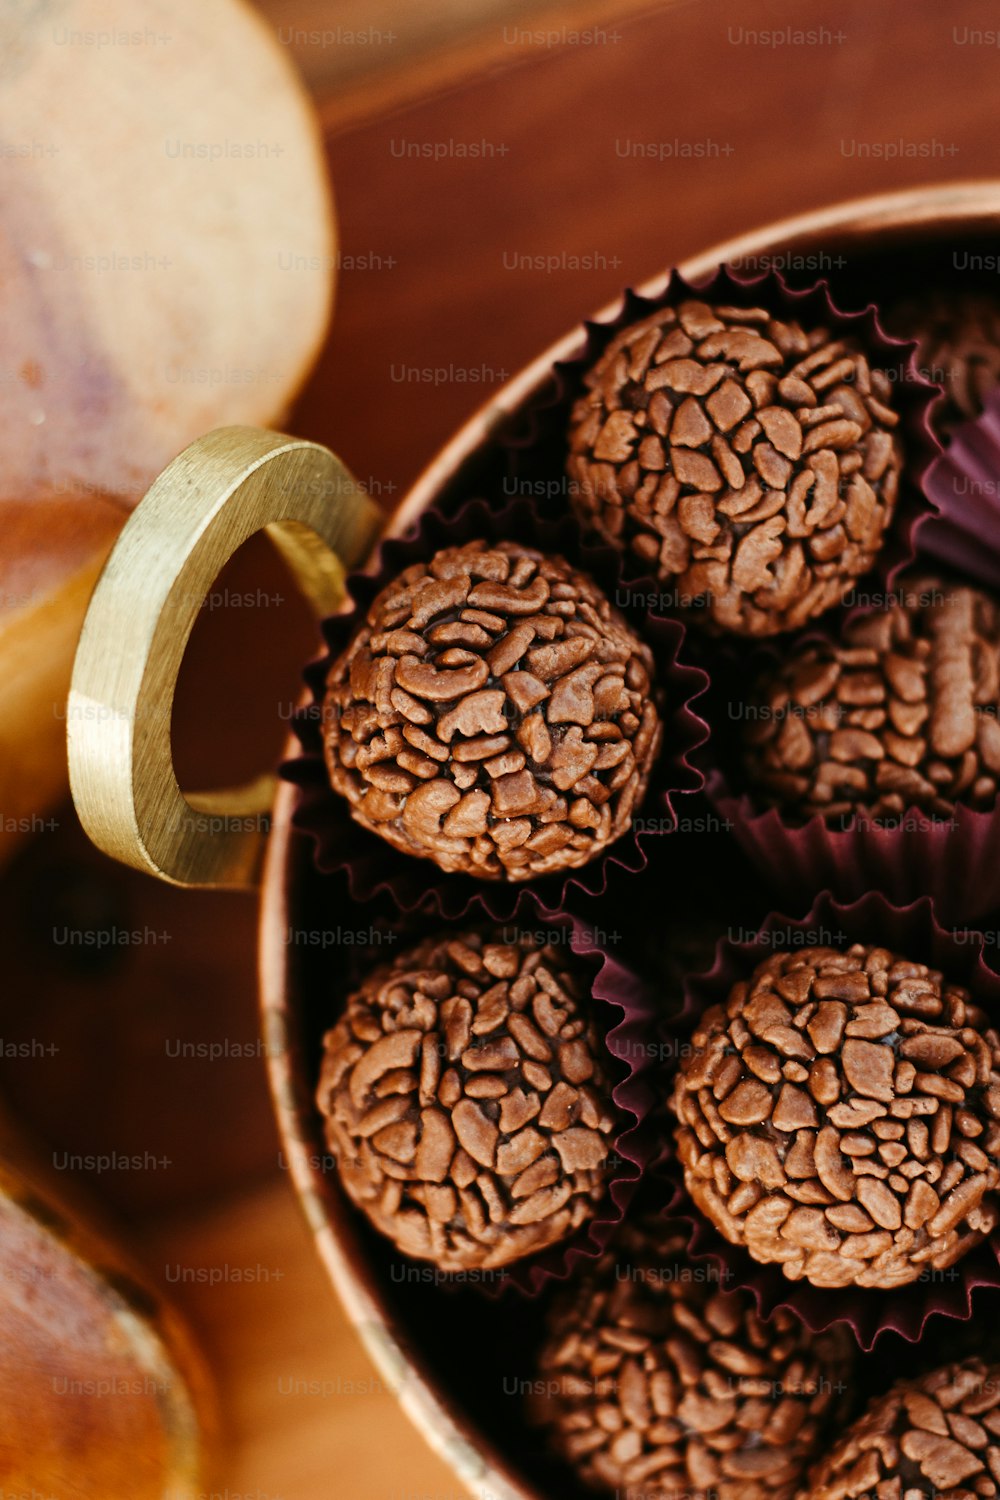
(221, 490)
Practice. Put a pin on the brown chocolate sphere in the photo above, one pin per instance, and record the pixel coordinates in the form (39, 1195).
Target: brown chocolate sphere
(839, 1116)
(751, 464)
(958, 347)
(901, 711)
(494, 714)
(938, 1436)
(467, 1100)
(660, 1385)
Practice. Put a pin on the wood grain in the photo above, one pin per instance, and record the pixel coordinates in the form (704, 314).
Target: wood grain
(432, 288)
(372, 57)
(510, 248)
(307, 1415)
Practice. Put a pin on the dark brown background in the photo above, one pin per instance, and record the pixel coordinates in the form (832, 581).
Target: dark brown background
(749, 132)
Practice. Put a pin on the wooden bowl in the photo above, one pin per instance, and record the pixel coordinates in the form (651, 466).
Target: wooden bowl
(420, 1343)
(102, 1392)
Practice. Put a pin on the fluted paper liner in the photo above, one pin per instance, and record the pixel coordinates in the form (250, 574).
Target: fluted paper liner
(963, 484)
(631, 1041)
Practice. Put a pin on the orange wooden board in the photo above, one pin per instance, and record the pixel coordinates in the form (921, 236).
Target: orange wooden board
(307, 1416)
(456, 268)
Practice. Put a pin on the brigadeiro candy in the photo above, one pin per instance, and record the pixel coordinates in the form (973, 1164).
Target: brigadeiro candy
(662, 1386)
(958, 346)
(899, 712)
(838, 1115)
(494, 713)
(467, 1100)
(746, 461)
(938, 1436)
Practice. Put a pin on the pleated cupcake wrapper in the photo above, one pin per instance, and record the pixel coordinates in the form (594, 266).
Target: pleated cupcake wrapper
(376, 872)
(963, 484)
(914, 932)
(625, 1017)
(954, 860)
(536, 447)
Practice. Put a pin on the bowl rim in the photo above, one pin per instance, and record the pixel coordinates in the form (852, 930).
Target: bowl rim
(401, 1368)
(975, 203)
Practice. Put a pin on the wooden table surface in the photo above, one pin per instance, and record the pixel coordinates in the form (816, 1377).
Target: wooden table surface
(594, 165)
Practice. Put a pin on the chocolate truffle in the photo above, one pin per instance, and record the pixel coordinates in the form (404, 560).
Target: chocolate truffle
(494, 714)
(467, 1100)
(899, 712)
(838, 1116)
(750, 464)
(938, 1436)
(659, 1385)
(958, 347)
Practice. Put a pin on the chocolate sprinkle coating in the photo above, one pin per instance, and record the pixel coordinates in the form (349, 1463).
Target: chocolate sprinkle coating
(958, 346)
(750, 464)
(661, 1386)
(467, 1101)
(938, 1436)
(839, 1116)
(901, 712)
(494, 713)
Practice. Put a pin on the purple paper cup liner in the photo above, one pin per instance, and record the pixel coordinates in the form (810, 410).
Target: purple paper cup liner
(963, 484)
(621, 1005)
(625, 1014)
(536, 446)
(376, 872)
(951, 858)
(914, 932)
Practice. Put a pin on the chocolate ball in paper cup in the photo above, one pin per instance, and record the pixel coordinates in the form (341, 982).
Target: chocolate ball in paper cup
(660, 1384)
(482, 1096)
(871, 756)
(745, 446)
(495, 714)
(900, 712)
(486, 715)
(854, 1125)
(838, 1116)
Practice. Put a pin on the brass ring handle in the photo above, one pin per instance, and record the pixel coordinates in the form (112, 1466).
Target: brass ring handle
(221, 490)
